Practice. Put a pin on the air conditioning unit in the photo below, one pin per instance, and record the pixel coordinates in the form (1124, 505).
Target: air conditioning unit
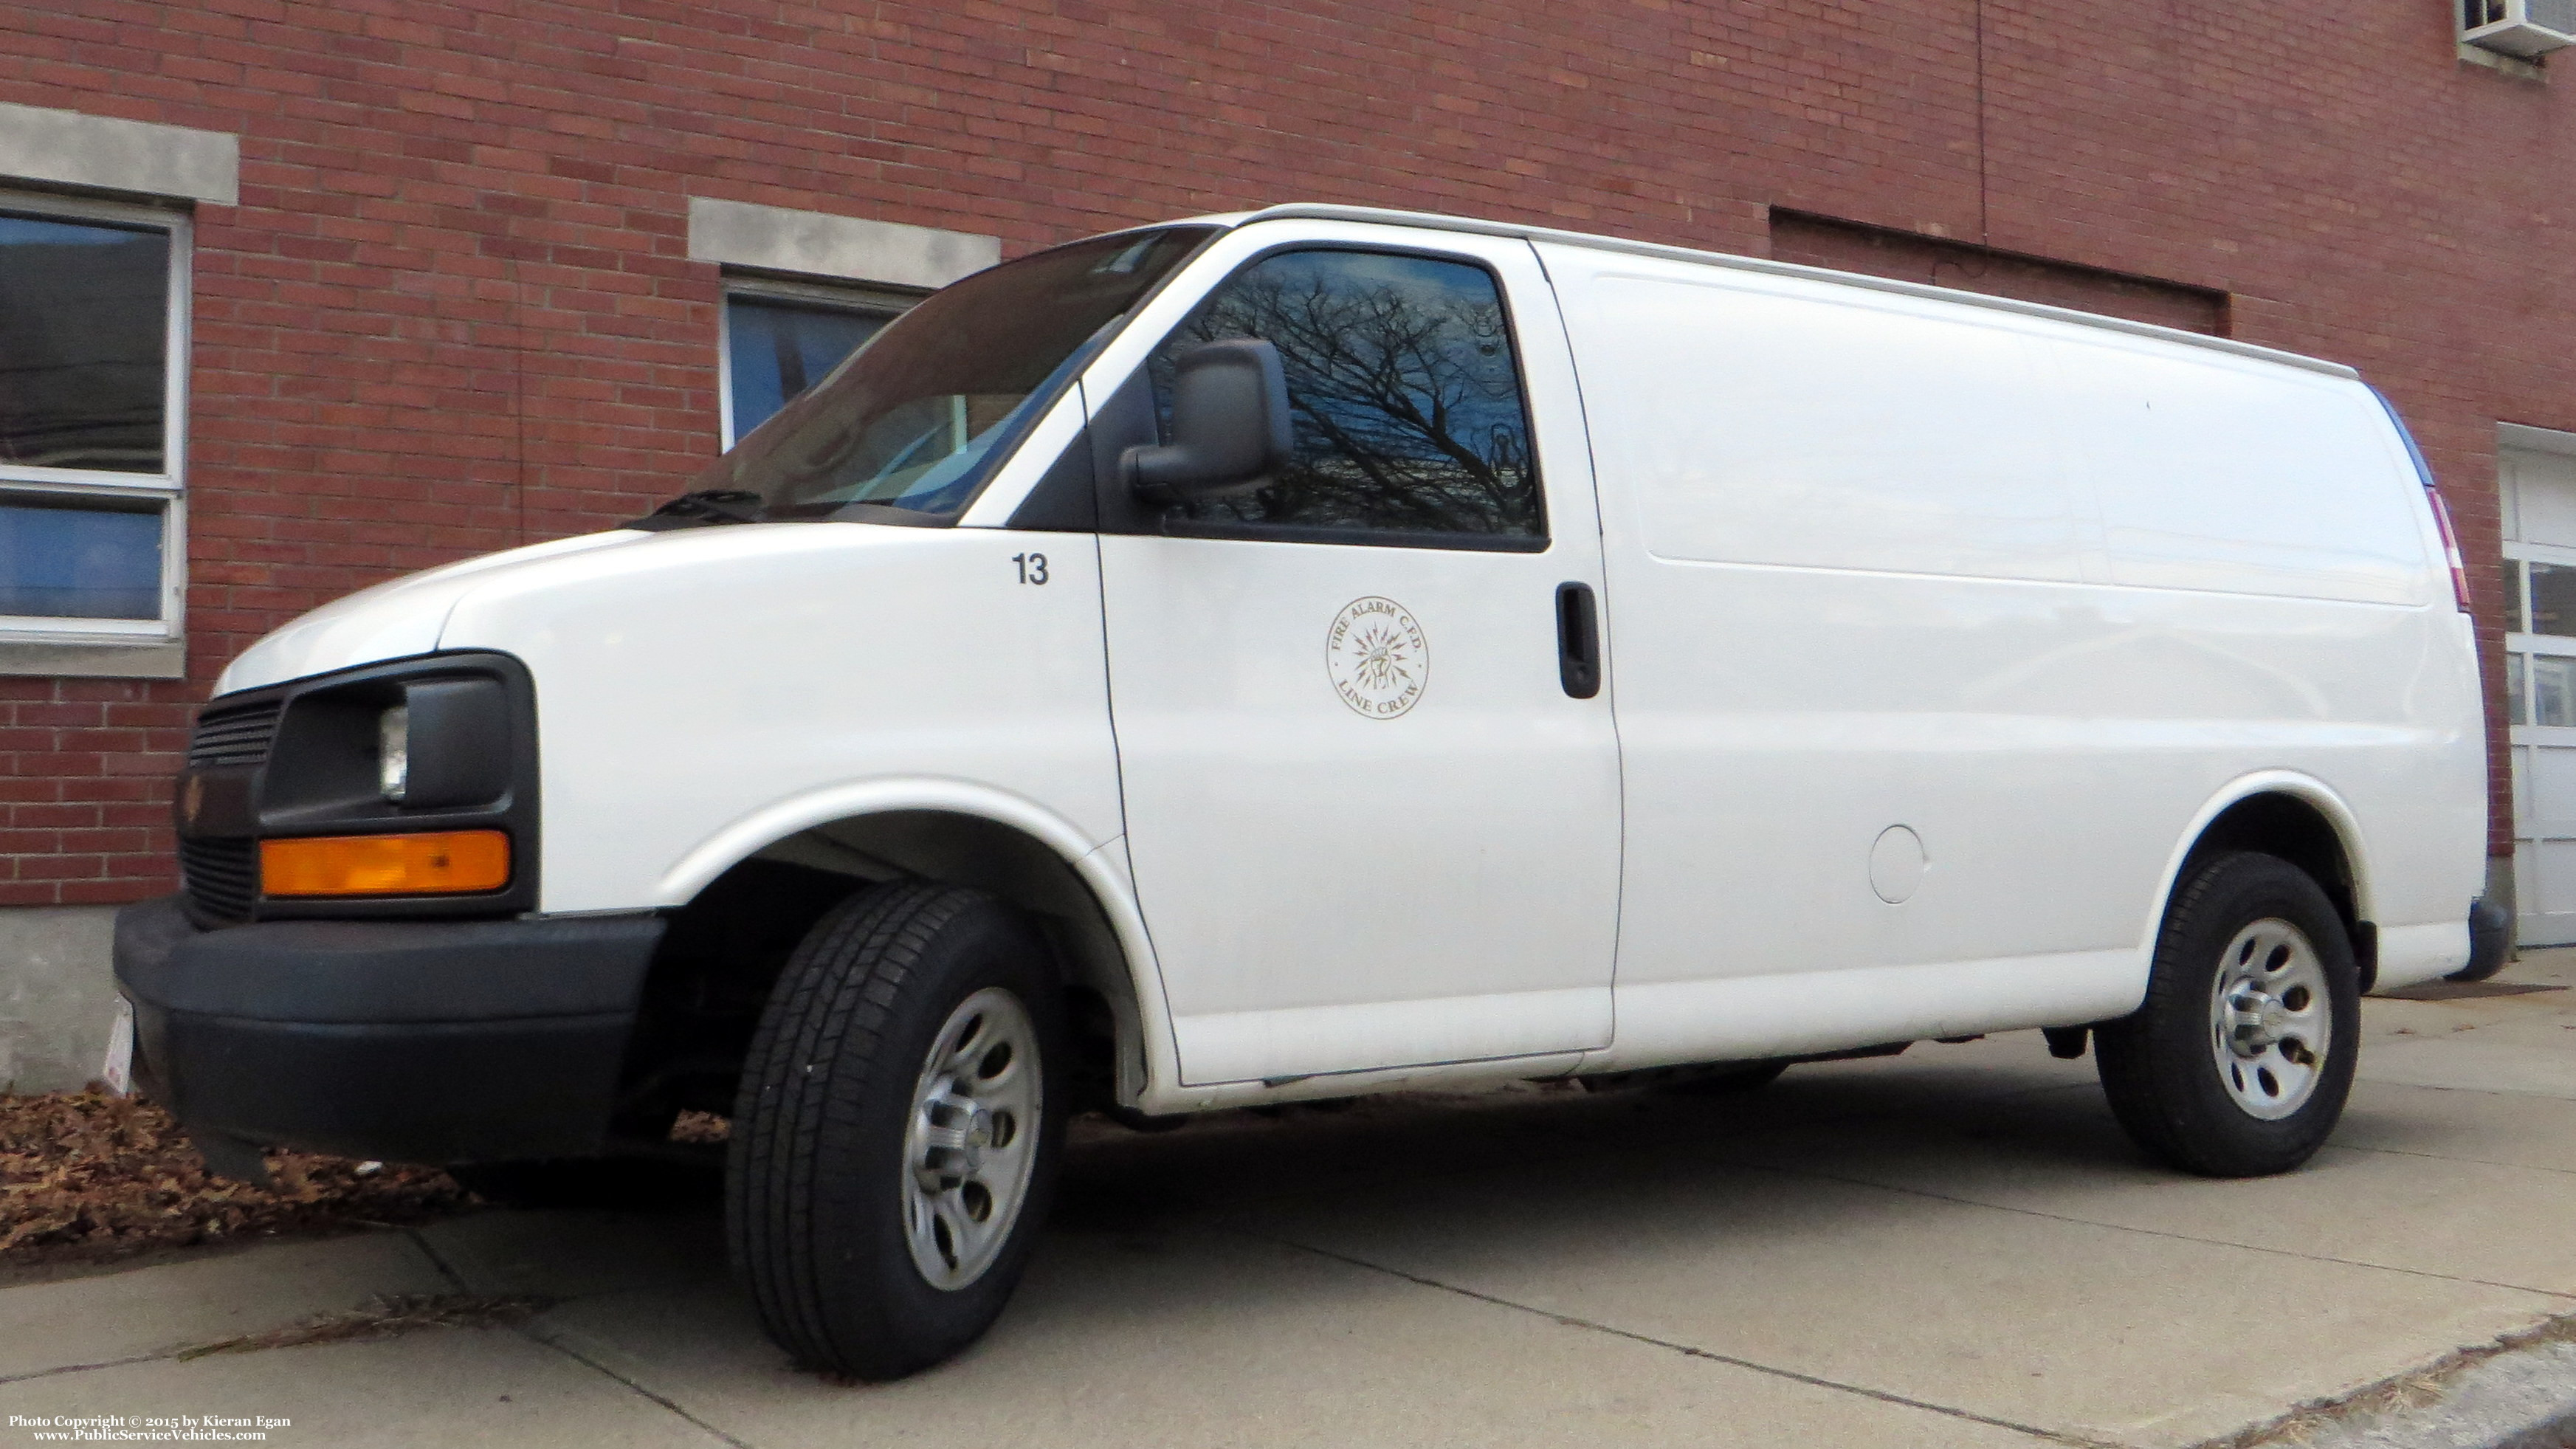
(2523, 29)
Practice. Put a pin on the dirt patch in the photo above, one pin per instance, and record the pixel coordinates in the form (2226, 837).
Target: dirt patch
(389, 1315)
(2412, 1391)
(2467, 990)
(89, 1176)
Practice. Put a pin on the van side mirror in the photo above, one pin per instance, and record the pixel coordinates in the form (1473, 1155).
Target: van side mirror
(1230, 430)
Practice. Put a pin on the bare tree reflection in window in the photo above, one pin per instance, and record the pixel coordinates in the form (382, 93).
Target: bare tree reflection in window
(1401, 382)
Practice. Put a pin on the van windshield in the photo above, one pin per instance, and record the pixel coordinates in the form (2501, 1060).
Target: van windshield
(917, 417)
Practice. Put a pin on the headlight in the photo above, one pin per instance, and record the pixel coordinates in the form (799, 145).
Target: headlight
(393, 752)
(392, 790)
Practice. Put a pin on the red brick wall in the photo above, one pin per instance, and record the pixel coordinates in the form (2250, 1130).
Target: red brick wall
(453, 310)
(86, 790)
(1818, 241)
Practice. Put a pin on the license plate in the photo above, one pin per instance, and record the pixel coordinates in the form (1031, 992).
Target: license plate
(118, 1070)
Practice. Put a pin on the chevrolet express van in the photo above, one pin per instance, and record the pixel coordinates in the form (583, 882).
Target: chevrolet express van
(1317, 651)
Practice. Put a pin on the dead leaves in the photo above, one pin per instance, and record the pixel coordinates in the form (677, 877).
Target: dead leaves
(90, 1175)
(701, 1128)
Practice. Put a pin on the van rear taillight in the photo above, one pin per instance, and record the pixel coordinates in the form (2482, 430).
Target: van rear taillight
(2441, 511)
(2451, 549)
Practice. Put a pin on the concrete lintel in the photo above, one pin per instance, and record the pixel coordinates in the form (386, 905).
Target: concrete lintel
(2518, 69)
(93, 659)
(102, 153)
(817, 244)
(2536, 440)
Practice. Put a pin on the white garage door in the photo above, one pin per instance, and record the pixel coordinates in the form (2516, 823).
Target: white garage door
(2537, 486)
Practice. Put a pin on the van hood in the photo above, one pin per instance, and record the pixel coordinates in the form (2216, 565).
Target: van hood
(398, 618)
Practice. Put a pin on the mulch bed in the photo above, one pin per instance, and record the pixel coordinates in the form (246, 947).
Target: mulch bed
(89, 1176)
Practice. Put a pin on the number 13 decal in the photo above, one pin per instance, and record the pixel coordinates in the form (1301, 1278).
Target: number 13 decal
(1032, 567)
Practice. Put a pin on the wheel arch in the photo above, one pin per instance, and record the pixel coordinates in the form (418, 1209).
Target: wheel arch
(776, 869)
(2298, 818)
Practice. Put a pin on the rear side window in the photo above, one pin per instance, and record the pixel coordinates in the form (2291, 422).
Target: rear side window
(1405, 395)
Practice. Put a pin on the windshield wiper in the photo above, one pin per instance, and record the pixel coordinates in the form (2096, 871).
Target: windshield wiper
(704, 508)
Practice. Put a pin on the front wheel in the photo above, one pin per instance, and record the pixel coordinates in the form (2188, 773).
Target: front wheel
(2238, 1062)
(897, 1130)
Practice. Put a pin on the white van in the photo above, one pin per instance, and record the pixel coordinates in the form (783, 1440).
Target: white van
(1318, 651)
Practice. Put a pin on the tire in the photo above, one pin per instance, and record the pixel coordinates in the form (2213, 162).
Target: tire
(841, 1095)
(2215, 1083)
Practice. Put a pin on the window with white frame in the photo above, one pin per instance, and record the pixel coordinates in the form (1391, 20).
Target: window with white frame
(782, 337)
(2536, 484)
(93, 378)
(2538, 490)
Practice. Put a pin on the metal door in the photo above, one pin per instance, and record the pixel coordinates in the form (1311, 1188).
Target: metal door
(1369, 825)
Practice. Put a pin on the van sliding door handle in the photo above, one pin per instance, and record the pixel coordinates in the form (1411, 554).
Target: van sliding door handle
(1578, 640)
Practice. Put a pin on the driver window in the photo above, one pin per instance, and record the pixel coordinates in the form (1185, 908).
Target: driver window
(1404, 395)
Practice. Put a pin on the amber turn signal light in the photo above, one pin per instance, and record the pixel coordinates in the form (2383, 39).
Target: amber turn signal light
(438, 863)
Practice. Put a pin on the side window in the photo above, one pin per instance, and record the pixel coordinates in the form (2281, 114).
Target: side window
(1403, 389)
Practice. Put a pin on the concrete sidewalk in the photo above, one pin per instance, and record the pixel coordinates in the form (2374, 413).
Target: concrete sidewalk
(1952, 1247)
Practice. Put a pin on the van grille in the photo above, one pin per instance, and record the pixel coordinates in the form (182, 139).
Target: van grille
(222, 877)
(236, 736)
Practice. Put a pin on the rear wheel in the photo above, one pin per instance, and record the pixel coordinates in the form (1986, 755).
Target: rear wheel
(2238, 1062)
(897, 1130)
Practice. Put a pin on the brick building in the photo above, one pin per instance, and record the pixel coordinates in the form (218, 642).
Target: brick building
(325, 293)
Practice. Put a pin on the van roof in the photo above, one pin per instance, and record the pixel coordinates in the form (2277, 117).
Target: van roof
(1433, 221)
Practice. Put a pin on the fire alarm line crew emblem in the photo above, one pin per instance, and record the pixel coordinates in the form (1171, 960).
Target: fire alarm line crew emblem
(1377, 657)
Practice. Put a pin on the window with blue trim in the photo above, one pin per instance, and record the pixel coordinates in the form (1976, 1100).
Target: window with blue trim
(781, 338)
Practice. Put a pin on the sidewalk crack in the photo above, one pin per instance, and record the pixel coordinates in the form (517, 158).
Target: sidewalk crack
(535, 1335)
(2475, 1161)
(2157, 1232)
(1884, 1396)
(437, 1261)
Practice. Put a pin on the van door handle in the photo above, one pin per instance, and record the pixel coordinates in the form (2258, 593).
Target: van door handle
(1578, 640)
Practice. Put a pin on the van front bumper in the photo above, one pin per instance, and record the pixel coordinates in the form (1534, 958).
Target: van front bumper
(412, 1041)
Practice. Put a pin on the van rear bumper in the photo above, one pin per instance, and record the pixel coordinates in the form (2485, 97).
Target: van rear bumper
(445, 1041)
